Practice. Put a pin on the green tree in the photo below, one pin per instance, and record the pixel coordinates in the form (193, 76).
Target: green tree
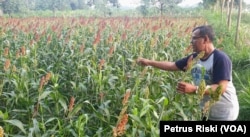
(209, 4)
(238, 23)
(104, 5)
(81, 4)
(52, 5)
(78, 4)
(161, 5)
(13, 6)
(143, 10)
(115, 3)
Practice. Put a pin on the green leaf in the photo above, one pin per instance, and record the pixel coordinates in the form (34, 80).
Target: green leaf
(75, 110)
(137, 119)
(50, 119)
(145, 110)
(17, 123)
(4, 115)
(63, 103)
(44, 95)
(166, 102)
(135, 111)
(156, 114)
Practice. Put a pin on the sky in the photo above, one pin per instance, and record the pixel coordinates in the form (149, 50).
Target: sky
(129, 3)
(189, 3)
(186, 3)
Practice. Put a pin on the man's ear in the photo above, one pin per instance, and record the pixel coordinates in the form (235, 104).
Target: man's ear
(206, 39)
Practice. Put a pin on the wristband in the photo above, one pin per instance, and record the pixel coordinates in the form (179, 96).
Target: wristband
(197, 88)
(207, 87)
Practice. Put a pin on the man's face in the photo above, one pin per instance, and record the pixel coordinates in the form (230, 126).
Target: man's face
(197, 41)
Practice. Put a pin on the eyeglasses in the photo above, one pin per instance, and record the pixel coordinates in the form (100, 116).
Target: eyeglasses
(195, 38)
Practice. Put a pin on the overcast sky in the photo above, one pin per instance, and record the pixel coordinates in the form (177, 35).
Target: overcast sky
(129, 3)
(135, 3)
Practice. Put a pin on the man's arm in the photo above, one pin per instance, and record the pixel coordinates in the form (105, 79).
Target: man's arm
(185, 87)
(164, 65)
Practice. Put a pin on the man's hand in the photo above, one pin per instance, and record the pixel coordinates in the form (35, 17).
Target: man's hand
(143, 61)
(184, 87)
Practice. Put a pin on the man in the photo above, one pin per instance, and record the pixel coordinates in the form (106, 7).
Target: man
(218, 72)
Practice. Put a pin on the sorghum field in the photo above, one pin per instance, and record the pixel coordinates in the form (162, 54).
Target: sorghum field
(78, 76)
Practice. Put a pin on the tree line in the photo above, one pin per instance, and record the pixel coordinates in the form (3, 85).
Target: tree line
(162, 6)
(22, 6)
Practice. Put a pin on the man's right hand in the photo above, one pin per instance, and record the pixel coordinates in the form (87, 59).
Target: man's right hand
(142, 61)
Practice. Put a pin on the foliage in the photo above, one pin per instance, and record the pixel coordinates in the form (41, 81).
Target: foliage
(208, 4)
(65, 76)
(244, 95)
(60, 74)
(161, 6)
(13, 6)
(144, 10)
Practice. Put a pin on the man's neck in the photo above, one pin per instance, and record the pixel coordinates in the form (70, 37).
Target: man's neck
(208, 51)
